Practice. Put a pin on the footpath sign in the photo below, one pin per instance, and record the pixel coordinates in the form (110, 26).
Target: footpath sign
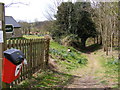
(1, 36)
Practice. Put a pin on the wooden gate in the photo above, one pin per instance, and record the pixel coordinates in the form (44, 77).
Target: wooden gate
(36, 52)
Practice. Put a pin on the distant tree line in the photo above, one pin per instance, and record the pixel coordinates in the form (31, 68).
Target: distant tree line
(34, 28)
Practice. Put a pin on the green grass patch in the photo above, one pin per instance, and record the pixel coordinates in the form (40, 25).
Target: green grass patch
(116, 48)
(16, 38)
(32, 36)
(110, 66)
(28, 37)
(68, 60)
(104, 82)
(46, 79)
(116, 87)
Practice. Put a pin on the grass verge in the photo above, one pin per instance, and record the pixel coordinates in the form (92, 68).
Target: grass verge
(110, 66)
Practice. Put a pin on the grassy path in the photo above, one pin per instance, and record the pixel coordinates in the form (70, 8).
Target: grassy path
(91, 76)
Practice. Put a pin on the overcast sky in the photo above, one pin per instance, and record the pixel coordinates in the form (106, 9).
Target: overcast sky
(35, 10)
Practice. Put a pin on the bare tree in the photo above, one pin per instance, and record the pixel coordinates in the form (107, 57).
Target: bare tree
(106, 21)
(15, 3)
(12, 3)
(52, 9)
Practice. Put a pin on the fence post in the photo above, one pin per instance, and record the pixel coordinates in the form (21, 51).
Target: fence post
(2, 43)
(47, 50)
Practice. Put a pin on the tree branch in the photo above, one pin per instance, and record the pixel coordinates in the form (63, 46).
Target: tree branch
(14, 3)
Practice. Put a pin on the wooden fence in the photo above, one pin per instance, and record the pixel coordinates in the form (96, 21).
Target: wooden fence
(36, 52)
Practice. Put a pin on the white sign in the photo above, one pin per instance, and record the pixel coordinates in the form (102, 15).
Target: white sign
(1, 36)
(0, 24)
(18, 68)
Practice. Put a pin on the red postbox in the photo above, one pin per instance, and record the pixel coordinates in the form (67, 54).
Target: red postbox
(12, 64)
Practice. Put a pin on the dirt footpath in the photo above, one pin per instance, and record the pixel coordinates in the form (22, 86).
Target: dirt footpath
(90, 76)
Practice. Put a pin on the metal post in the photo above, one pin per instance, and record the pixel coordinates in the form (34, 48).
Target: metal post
(2, 42)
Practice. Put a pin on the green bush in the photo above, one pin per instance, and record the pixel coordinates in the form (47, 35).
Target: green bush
(82, 60)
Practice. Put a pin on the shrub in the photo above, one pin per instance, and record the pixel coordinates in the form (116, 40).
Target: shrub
(82, 61)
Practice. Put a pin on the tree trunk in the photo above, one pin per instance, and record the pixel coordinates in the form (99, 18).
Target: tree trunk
(97, 40)
(100, 40)
(94, 40)
(83, 42)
